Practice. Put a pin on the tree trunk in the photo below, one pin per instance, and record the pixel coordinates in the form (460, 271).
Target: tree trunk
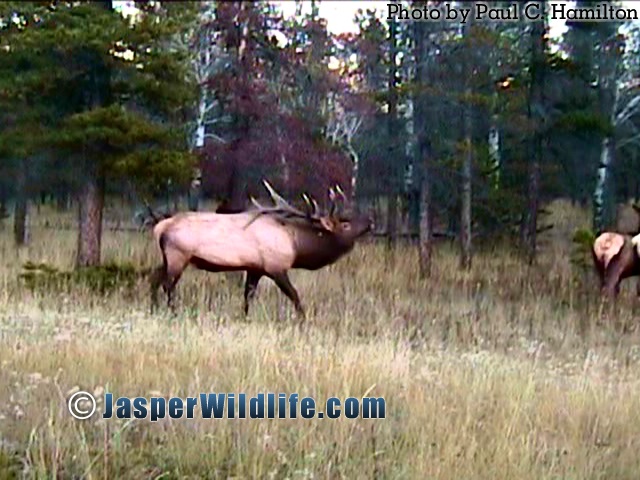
(3, 211)
(465, 214)
(392, 200)
(20, 223)
(199, 134)
(90, 207)
(465, 201)
(392, 219)
(61, 197)
(355, 159)
(536, 108)
(244, 35)
(422, 155)
(425, 219)
(602, 196)
(91, 195)
(533, 201)
(494, 152)
(195, 191)
(284, 164)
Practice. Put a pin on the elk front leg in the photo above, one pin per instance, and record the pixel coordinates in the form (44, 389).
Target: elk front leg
(250, 288)
(284, 284)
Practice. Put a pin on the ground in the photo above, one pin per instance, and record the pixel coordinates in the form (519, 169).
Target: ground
(501, 372)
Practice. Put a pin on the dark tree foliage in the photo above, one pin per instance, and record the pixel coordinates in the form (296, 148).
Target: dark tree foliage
(275, 98)
(98, 96)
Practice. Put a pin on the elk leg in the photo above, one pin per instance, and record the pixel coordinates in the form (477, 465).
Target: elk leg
(169, 286)
(599, 266)
(250, 288)
(611, 284)
(175, 264)
(156, 279)
(284, 284)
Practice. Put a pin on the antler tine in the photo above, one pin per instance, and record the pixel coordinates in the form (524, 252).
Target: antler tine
(256, 203)
(312, 205)
(279, 201)
(345, 201)
(332, 201)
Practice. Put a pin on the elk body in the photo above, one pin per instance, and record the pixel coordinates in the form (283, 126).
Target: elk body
(263, 242)
(616, 257)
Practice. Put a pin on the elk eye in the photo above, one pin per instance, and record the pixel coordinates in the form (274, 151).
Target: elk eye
(346, 226)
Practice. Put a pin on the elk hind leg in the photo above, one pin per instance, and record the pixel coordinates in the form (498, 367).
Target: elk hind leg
(175, 265)
(156, 279)
(612, 279)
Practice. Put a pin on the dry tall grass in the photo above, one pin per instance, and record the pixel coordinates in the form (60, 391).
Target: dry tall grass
(502, 372)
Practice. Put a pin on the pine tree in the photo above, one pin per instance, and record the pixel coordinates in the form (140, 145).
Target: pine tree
(112, 96)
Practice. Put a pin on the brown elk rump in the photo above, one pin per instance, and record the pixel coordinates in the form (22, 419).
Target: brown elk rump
(615, 257)
(264, 241)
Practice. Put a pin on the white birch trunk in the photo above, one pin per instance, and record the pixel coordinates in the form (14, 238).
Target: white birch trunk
(494, 152)
(607, 151)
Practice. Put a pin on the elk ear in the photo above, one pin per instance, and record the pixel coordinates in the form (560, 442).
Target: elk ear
(328, 223)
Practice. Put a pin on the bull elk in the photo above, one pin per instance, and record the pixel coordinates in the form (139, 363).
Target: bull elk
(262, 241)
(616, 257)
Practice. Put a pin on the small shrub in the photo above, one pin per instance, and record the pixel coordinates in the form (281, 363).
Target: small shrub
(583, 239)
(10, 465)
(582, 259)
(102, 279)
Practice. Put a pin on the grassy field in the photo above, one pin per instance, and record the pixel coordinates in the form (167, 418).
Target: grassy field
(502, 372)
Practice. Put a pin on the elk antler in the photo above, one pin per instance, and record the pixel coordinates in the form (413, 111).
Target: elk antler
(286, 212)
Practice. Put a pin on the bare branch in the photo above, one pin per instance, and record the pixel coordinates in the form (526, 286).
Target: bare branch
(215, 137)
(633, 139)
(628, 111)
